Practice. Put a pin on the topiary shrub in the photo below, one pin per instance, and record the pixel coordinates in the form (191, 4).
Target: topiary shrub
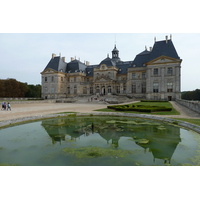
(139, 108)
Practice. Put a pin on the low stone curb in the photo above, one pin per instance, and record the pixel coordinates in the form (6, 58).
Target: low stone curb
(186, 125)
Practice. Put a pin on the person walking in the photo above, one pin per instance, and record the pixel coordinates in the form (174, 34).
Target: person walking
(2, 106)
(8, 106)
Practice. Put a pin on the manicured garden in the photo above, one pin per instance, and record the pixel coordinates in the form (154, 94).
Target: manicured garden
(145, 107)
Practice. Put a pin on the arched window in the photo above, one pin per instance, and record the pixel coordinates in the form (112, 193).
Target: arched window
(97, 89)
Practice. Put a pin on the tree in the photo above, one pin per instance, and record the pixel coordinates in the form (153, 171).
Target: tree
(14, 88)
(191, 95)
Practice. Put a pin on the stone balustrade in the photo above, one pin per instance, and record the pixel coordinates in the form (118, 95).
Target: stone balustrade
(193, 105)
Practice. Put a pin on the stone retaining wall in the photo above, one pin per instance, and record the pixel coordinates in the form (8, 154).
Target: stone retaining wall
(193, 105)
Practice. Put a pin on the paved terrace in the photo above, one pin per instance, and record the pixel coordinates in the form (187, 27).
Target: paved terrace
(37, 109)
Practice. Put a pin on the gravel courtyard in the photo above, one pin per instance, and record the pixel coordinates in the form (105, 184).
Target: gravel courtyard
(22, 110)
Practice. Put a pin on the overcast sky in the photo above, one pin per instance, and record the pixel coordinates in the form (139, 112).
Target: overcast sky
(25, 55)
(29, 34)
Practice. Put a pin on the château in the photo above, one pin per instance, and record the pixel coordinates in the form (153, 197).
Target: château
(153, 74)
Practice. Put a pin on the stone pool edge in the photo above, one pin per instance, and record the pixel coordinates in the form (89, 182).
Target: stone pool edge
(187, 125)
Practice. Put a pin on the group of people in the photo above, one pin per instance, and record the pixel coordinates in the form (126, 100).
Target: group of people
(6, 106)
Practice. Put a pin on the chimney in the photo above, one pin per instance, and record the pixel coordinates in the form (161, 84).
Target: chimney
(72, 58)
(53, 55)
(166, 38)
(170, 36)
(87, 63)
(63, 59)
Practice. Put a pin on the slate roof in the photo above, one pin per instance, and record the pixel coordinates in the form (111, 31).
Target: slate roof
(57, 64)
(75, 66)
(123, 67)
(164, 48)
(89, 70)
(141, 59)
(108, 62)
(160, 48)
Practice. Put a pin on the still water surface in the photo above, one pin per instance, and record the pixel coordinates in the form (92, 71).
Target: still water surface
(98, 141)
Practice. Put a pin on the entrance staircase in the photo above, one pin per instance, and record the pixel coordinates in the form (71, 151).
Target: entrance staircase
(105, 99)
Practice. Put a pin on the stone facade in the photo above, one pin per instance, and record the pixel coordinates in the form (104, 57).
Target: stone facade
(152, 75)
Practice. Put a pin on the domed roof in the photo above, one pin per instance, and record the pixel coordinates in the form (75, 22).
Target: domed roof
(108, 62)
(115, 49)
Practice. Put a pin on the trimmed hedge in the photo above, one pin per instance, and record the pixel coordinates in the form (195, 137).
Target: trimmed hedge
(154, 101)
(139, 108)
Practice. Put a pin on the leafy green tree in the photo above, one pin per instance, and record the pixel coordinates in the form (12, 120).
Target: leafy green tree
(191, 95)
(14, 88)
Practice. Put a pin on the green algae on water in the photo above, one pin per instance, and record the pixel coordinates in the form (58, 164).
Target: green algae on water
(93, 152)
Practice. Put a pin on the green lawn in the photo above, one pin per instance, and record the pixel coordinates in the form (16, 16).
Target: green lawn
(166, 104)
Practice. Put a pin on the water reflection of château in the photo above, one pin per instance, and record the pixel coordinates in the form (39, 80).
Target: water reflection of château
(162, 143)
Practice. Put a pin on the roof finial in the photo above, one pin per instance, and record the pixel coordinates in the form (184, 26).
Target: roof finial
(170, 36)
(108, 55)
(145, 47)
(115, 40)
(166, 38)
(154, 39)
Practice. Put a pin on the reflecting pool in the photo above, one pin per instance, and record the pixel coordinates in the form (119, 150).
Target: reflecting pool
(98, 141)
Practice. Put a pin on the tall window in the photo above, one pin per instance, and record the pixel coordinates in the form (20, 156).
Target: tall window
(143, 87)
(45, 79)
(118, 89)
(169, 87)
(85, 90)
(143, 74)
(155, 72)
(68, 90)
(97, 89)
(52, 78)
(133, 88)
(124, 89)
(109, 89)
(75, 89)
(91, 90)
(133, 75)
(155, 87)
(169, 71)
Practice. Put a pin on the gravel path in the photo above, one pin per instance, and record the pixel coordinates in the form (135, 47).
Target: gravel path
(36, 109)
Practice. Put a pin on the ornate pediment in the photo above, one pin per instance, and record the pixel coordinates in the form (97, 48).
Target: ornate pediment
(49, 71)
(163, 60)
